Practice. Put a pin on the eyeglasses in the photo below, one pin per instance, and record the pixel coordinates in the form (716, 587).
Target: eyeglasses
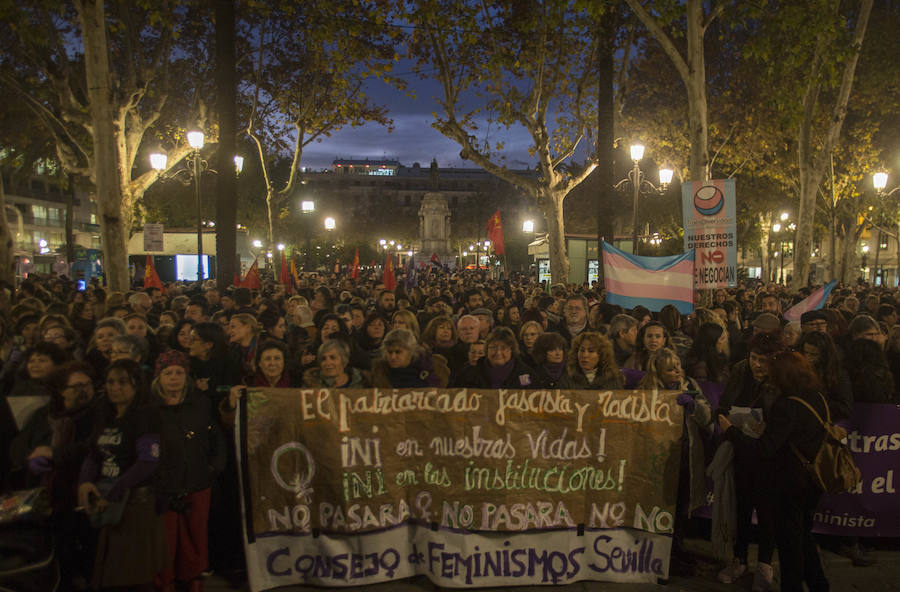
(495, 347)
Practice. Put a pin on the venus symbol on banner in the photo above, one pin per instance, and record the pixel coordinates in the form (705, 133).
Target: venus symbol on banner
(299, 484)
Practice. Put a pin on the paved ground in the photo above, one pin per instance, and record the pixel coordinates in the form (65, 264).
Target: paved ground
(882, 577)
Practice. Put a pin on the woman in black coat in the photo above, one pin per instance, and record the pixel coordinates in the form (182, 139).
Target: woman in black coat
(791, 427)
(192, 453)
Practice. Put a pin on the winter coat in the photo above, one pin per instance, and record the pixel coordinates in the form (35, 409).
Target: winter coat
(788, 422)
(426, 370)
(478, 376)
(192, 448)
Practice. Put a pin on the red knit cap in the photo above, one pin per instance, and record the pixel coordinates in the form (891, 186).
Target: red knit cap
(172, 357)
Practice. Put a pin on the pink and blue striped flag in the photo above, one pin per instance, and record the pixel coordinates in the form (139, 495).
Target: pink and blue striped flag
(634, 280)
(814, 301)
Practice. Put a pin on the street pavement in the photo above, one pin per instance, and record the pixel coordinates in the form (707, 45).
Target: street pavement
(884, 576)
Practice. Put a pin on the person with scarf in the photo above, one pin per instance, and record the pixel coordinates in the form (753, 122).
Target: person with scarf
(550, 358)
(501, 367)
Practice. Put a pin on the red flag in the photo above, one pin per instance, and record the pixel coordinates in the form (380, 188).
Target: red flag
(285, 275)
(151, 278)
(495, 233)
(354, 270)
(251, 280)
(388, 279)
(435, 260)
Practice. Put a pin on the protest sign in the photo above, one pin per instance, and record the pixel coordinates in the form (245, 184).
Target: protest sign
(709, 216)
(467, 487)
(873, 434)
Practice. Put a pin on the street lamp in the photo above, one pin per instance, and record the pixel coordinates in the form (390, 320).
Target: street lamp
(307, 207)
(879, 181)
(329, 224)
(159, 162)
(636, 178)
(257, 244)
(528, 226)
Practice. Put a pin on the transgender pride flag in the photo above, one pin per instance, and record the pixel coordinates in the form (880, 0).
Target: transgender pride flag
(633, 280)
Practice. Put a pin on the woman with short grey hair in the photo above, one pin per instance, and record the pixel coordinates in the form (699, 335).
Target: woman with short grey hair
(333, 369)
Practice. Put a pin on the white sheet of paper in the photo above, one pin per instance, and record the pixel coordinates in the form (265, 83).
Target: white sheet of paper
(747, 419)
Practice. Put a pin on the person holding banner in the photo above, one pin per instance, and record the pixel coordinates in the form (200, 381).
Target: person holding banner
(790, 427)
(664, 372)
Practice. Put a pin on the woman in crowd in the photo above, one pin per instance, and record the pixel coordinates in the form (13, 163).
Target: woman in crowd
(243, 332)
(334, 369)
(331, 326)
(212, 364)
(749, 386)
(651, 337)
(114, 484)
(819, 350)
(501, 367)
(664, 372)
(82, 318)
(405, 319)
(272, 367)
(180, 339)
(372, 334)
(403, 363)
(705, 360)
(440, 338)
(671, 319)
(100, 346)
(273, 325)
(867, 364)
(528, 336)
(193, 453)
(66, 339)
(53, 446)
(792, 430)
(33, 378)
(591, 364)
(550, 359)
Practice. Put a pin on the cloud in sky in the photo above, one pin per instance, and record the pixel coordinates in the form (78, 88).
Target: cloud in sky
(413, 138)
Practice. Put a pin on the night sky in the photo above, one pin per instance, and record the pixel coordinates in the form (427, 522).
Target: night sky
(413, 138)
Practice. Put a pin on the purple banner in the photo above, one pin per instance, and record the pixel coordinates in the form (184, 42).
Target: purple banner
(873, 433)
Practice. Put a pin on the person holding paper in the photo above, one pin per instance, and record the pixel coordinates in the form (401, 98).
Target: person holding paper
(748, 386)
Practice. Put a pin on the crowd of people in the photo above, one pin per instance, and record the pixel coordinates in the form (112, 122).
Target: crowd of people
(133, 443)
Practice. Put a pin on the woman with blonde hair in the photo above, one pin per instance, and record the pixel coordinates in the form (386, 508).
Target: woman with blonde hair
(243, 332)
(592, 364)
(405, 319)
(664, 373)
(528, 336)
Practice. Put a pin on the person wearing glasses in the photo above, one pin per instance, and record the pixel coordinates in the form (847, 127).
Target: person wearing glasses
(50, 449)
(501, 367)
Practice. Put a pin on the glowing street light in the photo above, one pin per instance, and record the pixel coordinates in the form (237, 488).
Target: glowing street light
(528, 226)
(329, 223)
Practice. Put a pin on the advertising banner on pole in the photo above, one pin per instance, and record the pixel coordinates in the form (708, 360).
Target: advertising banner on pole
(709, 212)
(468, 487)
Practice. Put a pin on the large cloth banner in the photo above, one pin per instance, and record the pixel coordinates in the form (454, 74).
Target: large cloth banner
(709, 216)
(467, 487)
(873, 434)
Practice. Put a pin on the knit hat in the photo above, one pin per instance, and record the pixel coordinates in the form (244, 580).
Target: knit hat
(172, 357)
(766, 321)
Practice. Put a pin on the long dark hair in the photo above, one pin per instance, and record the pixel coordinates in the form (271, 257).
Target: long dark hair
(828, 366)
(141, 390)
(213, 333)
(704, 350)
